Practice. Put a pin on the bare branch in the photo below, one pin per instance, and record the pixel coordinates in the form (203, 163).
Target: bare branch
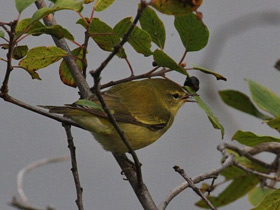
(96, 89)
(192, 185)
(37, 110)
(15, 203)
(208, 175)
(20, 177)
(74, 169)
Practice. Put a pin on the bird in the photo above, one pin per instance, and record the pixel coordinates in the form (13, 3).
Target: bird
(144, 110)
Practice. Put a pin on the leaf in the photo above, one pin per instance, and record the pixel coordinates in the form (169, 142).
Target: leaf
(25, 23)
(213, 119)
(250, 139)
(2, 34)
(139, 39)
(265, 98)
(275, 123)
(237, 189)
(207, 71)
(270, 202)
(163, 60)
(59, 5)
(23, 4)
(88, 103)
(64, 72)
(20, 52)
(101, 5)
(104, 36)
(193, 33)
(151, 23)
(40, 57)
(256, 195)
(241, 102)
(57, 31)
(176, 7)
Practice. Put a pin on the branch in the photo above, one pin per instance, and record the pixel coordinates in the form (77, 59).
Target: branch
(74, 169)
(208, 175)
(37, 110)
(96, 89)
(15, 203)
(192, 185)
(12, 32)
(20, 177)
(69, 60)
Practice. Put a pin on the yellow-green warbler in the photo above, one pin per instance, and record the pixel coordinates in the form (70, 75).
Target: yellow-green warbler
(144, 110)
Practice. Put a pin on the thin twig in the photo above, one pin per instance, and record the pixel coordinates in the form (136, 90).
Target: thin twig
(96, 89)
(246, 153)
(195, 188)
(15, 203)
(74, 169)
(32, 166)
(37, 110)
(122, 136)
(208, 175)
(20, 177)
(4, 88)
(254, 172)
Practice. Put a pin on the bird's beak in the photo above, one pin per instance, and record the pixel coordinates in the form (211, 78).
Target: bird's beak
(187, 97)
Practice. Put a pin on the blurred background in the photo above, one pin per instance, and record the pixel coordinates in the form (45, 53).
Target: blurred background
(244, 43)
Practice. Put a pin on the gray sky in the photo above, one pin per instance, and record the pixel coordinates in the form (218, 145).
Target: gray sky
(244, 43)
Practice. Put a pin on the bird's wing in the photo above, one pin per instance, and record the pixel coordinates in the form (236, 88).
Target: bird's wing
(138, 106)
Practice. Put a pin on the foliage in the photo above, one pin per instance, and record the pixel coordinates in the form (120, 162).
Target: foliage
(268, 101)
(148, 40)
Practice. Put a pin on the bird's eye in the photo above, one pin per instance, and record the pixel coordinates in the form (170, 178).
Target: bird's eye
(175, 95)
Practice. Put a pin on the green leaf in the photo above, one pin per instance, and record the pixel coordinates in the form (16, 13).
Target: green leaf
(213, 119)
(23, 4)
(233, 173)
(270, 202)
(250, 139)
(57, 31)
(25, 23)
(88, 103)
(2, 34)
(151, 23)
(104, 36)
(207, 71)
(20, 52)
(59, 5)
(40, 57)
(193, 33)
(163, 60)
(64, 72)
(265, 98)
(256, 195)
(174, 7)
(237, 189)
(275, 123)
(241, 102)
(101, 5)
(139, 39)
